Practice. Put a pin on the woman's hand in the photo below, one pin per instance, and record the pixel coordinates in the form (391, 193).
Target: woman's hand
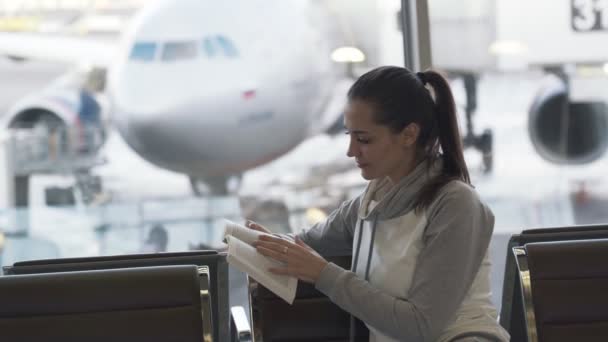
(300, 260)
(252, 225)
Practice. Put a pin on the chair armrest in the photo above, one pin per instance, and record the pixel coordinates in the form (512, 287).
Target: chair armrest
(239, 325)
(526, 292)
(205, 284)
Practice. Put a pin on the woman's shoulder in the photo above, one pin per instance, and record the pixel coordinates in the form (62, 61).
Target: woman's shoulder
(458, 201)
(458, 188)
(458, 195)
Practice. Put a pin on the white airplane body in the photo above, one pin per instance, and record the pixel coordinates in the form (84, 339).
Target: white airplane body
(210, 89)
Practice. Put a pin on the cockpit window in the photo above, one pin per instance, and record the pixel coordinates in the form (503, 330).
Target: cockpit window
(143, 51)
(174, 51)
(208, 47)
(212, 46)
(227, 46)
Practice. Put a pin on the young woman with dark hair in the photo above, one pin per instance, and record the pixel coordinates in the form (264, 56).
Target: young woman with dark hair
(419, 233)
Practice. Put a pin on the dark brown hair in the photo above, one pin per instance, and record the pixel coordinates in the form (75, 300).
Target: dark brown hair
(400, 97)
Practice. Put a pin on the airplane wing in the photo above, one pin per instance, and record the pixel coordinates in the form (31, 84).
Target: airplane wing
(63, 49)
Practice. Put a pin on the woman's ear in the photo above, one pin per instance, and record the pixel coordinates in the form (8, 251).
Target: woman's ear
(410, 134)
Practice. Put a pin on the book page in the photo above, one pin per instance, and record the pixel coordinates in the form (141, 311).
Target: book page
(241, 232)
(246, 258)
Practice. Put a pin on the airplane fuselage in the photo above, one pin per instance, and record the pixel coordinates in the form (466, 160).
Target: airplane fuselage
(211, 88)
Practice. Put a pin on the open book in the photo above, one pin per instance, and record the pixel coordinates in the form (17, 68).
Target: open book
(243, 256)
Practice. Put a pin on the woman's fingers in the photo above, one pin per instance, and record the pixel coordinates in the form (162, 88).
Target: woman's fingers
(273, 238)
(300, 260)
(270, 252)
(301, 243)
(279, 241)
(281, 252)
(256, 226)
(306, 247)
(279, 247)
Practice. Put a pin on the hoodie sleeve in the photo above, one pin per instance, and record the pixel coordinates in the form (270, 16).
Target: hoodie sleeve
(455, 241)
(334, 235)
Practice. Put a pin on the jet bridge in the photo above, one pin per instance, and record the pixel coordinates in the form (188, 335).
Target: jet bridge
(44, 150)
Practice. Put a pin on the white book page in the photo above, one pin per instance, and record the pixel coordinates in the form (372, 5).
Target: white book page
(241, 232)
(245, 258)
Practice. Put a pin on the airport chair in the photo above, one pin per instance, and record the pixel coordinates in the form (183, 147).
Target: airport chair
(511, 312)
(163, 303)
(312, 317)
(564, 290)
(216, 262)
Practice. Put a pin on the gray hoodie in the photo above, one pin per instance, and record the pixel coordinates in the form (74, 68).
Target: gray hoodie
(416, 276)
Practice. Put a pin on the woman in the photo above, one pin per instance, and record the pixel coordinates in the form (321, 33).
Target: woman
(419, 233)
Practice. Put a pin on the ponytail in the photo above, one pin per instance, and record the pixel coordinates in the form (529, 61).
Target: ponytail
(448, 138)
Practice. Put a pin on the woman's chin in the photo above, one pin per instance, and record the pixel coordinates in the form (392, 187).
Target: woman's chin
(367, 175)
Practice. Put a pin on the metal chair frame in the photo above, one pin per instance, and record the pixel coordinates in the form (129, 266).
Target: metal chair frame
(521, 259)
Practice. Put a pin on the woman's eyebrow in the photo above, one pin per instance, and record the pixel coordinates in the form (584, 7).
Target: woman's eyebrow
(358, 131)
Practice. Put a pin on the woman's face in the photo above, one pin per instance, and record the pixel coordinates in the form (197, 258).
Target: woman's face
(378, 151)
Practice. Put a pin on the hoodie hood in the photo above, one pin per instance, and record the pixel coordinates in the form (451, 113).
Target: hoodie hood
(398, 199)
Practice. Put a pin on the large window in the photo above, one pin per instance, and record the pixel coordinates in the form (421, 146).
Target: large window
(227, 46)
(143, 51)
(184, 50)
(219, 45)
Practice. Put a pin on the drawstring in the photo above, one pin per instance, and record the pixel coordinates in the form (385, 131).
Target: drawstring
(371, 247)
(353, 268)
(352, 329)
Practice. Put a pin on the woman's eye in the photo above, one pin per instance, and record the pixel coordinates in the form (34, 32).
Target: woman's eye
(363, 140)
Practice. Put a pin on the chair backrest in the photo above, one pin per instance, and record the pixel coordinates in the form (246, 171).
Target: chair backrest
(311, 317)
(137, 304)
(565, 287)
(216, 262)
(511, 312)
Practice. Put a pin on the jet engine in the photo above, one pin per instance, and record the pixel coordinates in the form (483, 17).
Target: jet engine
(67, 110)
(565, 132)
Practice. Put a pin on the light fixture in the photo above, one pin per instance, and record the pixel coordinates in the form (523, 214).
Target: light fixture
(314, 215)
(507, 47)
(347, 54)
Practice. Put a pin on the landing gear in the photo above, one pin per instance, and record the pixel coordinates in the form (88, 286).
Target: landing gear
(88, 186)
(215, 186)
(481, 142)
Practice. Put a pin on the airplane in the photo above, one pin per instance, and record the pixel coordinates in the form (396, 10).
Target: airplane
(207, 89)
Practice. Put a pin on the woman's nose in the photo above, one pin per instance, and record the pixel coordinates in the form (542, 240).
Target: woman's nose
(352, 150)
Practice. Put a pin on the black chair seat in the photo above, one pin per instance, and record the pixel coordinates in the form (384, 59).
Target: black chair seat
(216, 262)
(511, 313)
(138, 304)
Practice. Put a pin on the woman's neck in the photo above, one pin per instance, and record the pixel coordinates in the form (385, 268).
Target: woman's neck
(406, 171)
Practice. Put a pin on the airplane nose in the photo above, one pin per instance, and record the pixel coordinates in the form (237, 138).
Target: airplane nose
(158, 135)
(207, 128)
(180, 136)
